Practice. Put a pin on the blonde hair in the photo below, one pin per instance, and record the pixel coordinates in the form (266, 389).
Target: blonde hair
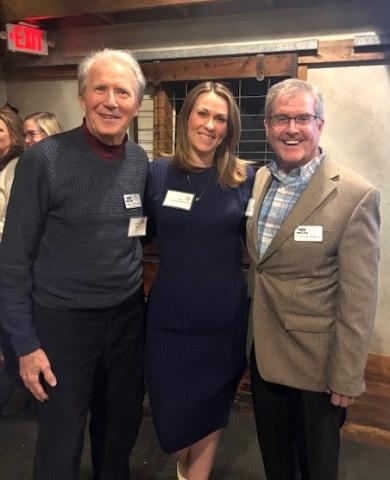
(46, 121)
(231, 170)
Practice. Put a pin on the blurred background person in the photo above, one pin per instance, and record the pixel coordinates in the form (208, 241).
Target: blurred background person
(14, 397)
(198, 310)
(38, 126)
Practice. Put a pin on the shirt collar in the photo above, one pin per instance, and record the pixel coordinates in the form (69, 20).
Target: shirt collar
(301, 174)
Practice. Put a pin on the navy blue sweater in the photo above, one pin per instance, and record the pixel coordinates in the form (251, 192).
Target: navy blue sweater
(65, 242)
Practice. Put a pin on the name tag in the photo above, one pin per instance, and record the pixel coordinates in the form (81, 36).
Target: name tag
(250, 208)
(137, 227)
(308, 233)
(176, 199)
(132, 200)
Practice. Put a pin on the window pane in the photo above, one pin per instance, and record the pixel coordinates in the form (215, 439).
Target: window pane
(250, 96)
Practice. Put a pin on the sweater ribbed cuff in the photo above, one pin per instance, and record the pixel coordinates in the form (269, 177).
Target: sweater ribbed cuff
(24, 344)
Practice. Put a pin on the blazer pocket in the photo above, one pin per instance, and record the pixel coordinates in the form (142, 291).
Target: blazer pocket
(307, 323)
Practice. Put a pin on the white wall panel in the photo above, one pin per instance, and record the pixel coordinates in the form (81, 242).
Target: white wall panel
(357, 131)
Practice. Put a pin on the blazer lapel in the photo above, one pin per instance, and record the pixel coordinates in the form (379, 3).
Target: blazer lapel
(262, 183)
(320, 187)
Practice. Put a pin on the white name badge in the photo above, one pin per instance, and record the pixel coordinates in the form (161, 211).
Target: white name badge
(250, 208)
(176, 199)
(137, 227)
(308, 233)
(132, 200)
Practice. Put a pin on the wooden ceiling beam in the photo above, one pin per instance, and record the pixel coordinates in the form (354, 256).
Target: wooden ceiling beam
(217, 68)
(196, 69)
(331, 52)
(342, 51)
(106, 18)
(13, 10)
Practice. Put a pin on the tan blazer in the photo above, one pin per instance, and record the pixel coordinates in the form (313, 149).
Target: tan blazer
(313, 303)
(6, 180)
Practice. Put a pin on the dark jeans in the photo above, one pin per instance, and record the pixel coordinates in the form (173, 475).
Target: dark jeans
(298, 430)
(97, 357)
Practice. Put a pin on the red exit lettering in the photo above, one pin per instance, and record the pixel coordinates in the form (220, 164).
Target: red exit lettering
(26, 38)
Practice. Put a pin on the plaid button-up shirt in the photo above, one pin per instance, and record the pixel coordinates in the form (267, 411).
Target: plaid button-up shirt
(280, 198)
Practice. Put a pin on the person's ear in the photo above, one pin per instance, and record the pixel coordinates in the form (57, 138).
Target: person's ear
(82, 102)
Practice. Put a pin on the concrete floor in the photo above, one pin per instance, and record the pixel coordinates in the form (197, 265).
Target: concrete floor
(238, 456)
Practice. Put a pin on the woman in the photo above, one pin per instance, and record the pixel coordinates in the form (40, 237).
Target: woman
(197, 314)
(38, 126)
(16, 397)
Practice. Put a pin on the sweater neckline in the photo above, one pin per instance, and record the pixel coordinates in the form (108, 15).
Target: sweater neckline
(107, 152)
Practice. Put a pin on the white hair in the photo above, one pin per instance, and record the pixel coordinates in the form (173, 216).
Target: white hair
(122, 56)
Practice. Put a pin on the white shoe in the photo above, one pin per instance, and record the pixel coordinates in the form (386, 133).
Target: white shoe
(179, 476)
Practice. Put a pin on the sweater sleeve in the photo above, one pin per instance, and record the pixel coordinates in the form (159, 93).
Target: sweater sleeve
(25, 221)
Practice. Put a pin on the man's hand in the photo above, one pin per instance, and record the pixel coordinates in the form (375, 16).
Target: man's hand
(30, 367)
(340, 400)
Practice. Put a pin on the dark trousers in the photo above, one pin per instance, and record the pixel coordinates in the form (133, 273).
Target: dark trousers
(15, 398)
(298, 430)
(11, 362)
(97, 357)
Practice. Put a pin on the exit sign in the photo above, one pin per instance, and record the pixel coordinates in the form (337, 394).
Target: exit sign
(23, 38)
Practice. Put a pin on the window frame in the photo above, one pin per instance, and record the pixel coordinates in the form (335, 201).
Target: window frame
(260, 67)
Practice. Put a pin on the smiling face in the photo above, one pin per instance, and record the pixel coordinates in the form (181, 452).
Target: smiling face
(295, 145)
(207, 127)
(5, 138)
(32, 133)
(109, 101)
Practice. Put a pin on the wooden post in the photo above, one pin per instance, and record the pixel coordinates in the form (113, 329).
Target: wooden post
(162, 124)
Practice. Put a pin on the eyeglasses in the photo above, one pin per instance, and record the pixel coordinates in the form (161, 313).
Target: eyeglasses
(284, 120)
(30, 134)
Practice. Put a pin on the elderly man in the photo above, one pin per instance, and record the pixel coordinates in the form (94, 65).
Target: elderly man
(71, 276)
(313, 244)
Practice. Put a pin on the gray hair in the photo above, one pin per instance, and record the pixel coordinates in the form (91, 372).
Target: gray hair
(122, 56)
(291, 87)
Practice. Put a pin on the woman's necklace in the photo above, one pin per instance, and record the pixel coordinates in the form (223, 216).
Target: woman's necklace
(198, 197)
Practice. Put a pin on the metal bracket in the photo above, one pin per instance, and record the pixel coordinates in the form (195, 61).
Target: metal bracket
(260, 67)
(156, 73)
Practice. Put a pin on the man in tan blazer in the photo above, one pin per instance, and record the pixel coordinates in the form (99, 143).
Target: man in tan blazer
(313, 241)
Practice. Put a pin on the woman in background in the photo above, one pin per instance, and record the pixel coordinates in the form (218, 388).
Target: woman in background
(40, 125)
(15, 396)
(197, 313)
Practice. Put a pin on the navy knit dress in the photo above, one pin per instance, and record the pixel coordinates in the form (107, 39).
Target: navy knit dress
(198, 309)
